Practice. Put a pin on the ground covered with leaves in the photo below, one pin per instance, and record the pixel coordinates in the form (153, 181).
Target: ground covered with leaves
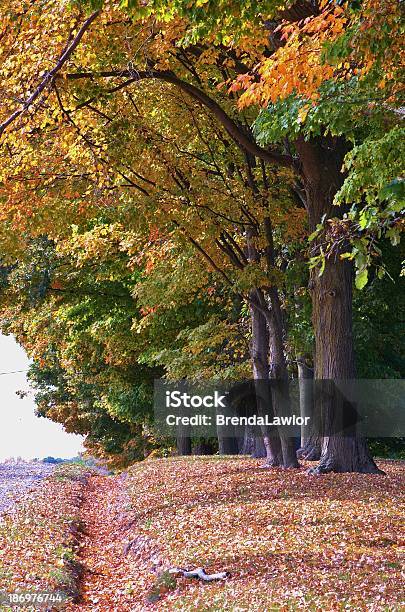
(39, 536)
(289, 540)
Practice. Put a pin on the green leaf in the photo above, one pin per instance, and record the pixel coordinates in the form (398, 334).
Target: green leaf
(322, 268)
(395, 188)
(361, 278)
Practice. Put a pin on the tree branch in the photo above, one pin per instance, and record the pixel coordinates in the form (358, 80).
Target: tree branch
(200, 573)
(239, 136)
(49, 76)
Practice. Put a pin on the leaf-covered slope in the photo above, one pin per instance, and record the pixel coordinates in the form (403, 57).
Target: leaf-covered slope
(288, 540)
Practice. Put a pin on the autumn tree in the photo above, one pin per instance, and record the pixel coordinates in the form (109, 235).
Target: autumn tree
(316, 56)
(195, 53)
(250, 259)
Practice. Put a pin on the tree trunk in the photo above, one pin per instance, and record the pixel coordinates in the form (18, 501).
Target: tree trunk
(183, 442)
(203, 447)
(334, 360)
(277, 361)
(259, 352)
(305, 383)
(258, 448)
(253, 444)
(227, 440)
(321, 162)
(310, 438)
(227, 445)
(279, 377)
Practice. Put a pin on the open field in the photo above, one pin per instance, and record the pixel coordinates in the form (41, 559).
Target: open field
(18, 478)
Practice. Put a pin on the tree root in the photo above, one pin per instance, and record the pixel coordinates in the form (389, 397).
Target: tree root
(309, 453)
(270, 464)
(327, 468)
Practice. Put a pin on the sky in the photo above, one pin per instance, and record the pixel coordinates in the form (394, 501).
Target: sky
(22, 434)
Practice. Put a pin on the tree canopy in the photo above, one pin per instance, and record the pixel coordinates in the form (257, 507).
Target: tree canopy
(186, 187)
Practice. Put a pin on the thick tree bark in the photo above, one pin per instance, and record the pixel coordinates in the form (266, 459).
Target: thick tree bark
(277, 361)
(321, 161)
(332, 316)
(310, 437)
(253, 444)
(183, 442)
(227, 445)
(259, 352)
(279, 376)
(305, 384)
(227, 440)
(204, 447)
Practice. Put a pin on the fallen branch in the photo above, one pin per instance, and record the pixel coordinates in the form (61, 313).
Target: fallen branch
(199, 572)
